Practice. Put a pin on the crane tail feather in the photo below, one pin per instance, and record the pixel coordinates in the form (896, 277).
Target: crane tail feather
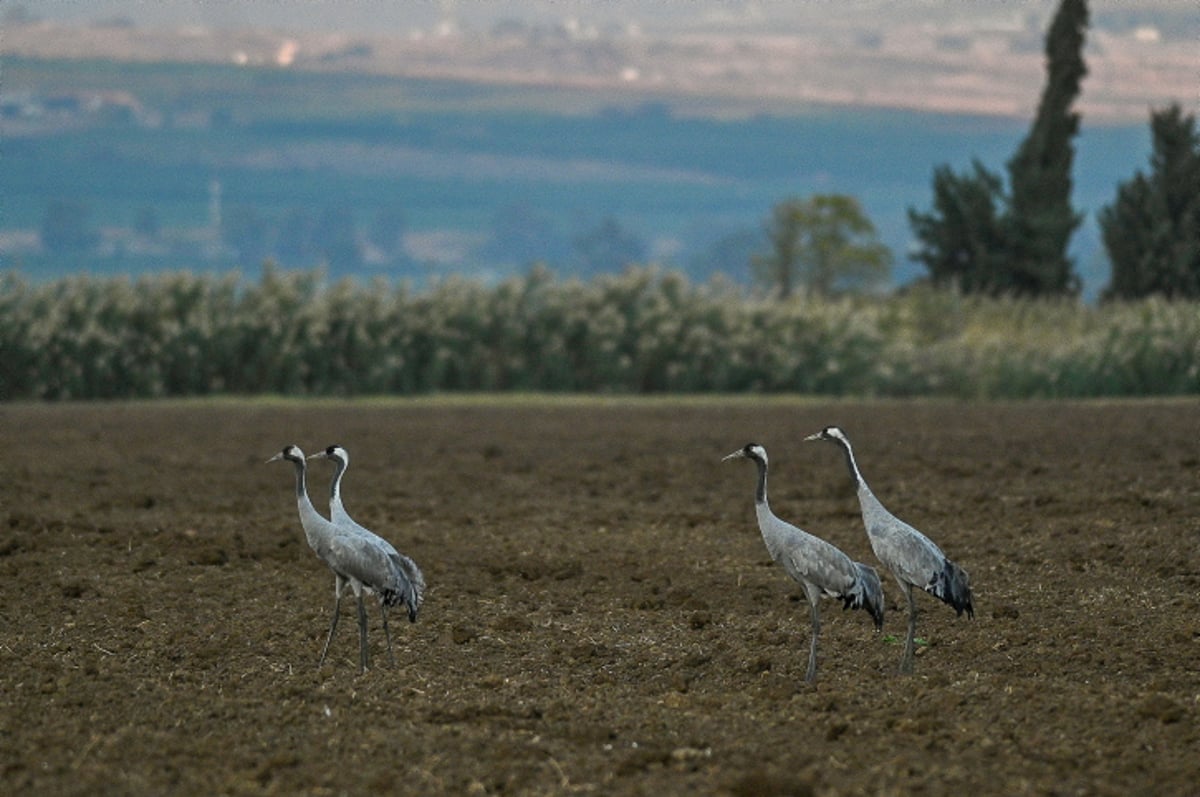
(867, 593)
(406, 596)
(952, 585)
(408, 587)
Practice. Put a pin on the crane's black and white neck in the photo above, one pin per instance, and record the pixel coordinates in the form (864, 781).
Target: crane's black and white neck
(758, 455)
(340, 458)
(835, 435)
(317, 530)
(818, 566)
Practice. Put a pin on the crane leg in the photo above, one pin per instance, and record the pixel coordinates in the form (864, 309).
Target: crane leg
(815, 611)
(906, 660)
(337, 605)
(363, 656)
(387, 634)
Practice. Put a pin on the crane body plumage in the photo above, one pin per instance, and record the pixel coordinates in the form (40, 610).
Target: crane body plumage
(401, 581)
(913, 559)
(820, 567)
(355, 562)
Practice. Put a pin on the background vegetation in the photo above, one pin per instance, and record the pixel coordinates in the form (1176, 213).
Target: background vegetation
(641, 331)
(979, 239)
(996, 315)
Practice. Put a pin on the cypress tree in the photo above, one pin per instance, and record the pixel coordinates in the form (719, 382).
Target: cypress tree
(1040, 219)
(982, 240)
(1152, 230)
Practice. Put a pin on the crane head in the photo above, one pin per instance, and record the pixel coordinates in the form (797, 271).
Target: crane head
(291, 453)
(334, 452)
(749, 451)
(833, 433)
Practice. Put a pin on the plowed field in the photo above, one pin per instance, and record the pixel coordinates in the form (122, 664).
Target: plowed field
(602, 616)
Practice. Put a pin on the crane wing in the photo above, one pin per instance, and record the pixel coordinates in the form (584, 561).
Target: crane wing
(357, 557)
(917, 560)
(407, 584)
(809, 558)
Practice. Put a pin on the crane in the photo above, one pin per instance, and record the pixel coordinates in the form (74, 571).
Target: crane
(411, 583)
(912, 558)
(354, 560)
(820, 567)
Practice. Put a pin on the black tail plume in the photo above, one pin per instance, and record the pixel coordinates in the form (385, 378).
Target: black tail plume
(952, 585)
(867, 593)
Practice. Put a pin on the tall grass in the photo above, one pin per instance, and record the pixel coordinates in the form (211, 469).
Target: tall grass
(641, 331)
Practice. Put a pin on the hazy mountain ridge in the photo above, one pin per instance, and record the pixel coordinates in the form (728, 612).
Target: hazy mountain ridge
(917, 57)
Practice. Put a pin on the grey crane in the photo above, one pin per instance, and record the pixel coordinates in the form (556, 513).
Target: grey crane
(411, 582)
(820, 567)
(912, 558)
(354, 560)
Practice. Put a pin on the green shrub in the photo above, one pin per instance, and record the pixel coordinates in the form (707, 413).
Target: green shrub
(641, 331)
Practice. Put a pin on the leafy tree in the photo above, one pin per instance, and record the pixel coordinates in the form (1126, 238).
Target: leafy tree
(1040, 219)
(962, 242)
(66, 227)
(1152, 230)
(824, 243)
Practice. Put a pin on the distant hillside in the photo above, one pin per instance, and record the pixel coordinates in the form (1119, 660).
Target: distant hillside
(724, 59)
(214, 167)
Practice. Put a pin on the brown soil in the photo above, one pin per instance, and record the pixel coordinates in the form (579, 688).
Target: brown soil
(602, 615)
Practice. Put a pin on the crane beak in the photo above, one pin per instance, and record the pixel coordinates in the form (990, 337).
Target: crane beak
(316, 455)
(816, 436)
(274, 458)
(734, 455)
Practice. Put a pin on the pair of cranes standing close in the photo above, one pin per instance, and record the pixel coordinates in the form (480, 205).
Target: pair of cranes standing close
(359, 558)
(366, 562)
(913, 559)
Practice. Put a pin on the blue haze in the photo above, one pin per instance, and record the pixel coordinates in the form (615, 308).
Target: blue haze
(680, 183)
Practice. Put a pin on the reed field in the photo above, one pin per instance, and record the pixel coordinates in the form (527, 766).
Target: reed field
(642, 331)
